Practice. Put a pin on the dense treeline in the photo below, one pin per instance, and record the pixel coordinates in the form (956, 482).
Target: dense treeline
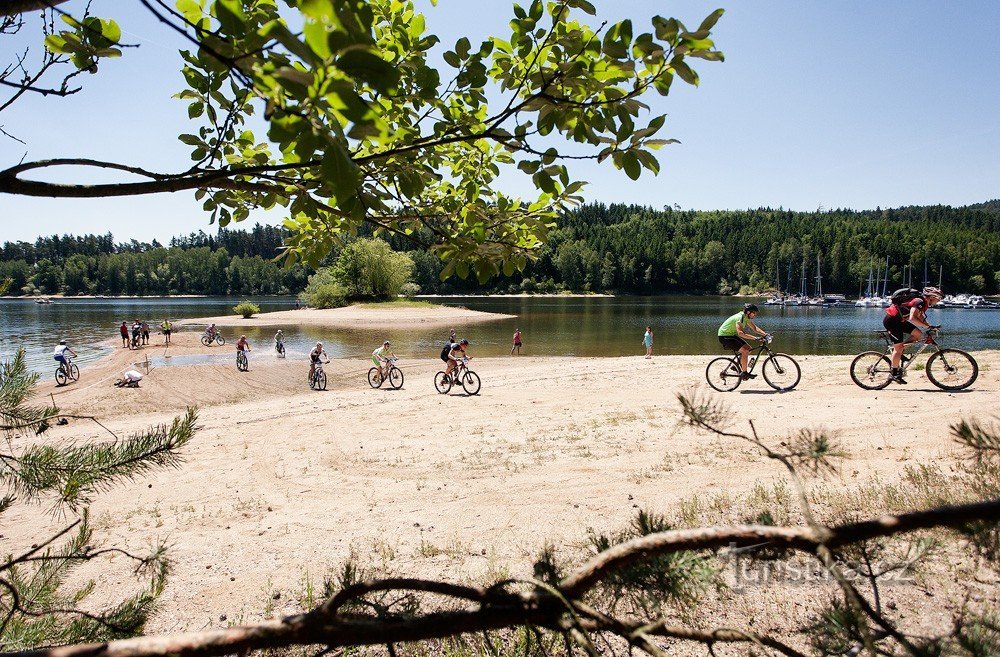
(231, 262)
(614, 248)
(639, 250)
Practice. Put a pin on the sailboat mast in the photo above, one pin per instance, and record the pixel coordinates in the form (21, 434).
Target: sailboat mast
(819, 278)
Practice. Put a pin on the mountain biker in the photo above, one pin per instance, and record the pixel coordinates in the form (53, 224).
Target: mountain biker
(734, 334)
(314, 357)
(458, 350)
(381, 357)
(905, 321)
(60, 355)
(211, 331)
(279, 341)
(242, 344)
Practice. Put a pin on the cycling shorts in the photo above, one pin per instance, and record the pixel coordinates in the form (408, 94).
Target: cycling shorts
(898, 328)
(732, 342)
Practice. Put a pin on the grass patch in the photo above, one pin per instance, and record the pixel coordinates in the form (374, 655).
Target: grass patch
(400, 303)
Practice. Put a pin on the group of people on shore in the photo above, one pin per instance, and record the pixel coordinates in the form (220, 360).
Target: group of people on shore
(138, 334)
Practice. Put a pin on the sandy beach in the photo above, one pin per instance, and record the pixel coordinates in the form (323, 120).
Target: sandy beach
(356, 316)
(282, 484)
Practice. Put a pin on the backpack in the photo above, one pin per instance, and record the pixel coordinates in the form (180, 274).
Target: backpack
(445, 352)
(904, 295)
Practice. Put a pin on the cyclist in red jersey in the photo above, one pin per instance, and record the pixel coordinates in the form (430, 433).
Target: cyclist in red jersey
(906, 322)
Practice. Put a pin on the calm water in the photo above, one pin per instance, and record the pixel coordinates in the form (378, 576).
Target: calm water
(561, 326)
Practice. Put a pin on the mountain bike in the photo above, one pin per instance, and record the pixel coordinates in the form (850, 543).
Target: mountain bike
(318, 379)
(242, 362)
(462, 374)
(948, 369)
(67, 372)
(780, 370)
(208, 340)
(280, 348)
(393, 375)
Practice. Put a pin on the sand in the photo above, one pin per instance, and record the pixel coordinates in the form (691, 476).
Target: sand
(357, 316)
(282, 484)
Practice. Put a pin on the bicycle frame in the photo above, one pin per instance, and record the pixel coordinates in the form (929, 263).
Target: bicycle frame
(905, 360)
(754, 358)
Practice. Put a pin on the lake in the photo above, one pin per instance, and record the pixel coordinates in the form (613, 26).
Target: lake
(551, 326)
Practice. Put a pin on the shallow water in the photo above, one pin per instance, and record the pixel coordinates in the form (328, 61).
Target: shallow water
(551, 326)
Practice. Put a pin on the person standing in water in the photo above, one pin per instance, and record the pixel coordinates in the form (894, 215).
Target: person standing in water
(517, 342)
(647, 340)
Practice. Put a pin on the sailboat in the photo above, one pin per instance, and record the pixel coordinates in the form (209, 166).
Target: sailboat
(776, 299)
(818, 299)
(868, 300)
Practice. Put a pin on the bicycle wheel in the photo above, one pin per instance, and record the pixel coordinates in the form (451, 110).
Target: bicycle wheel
(60, 377)
(205, 340)
(221, 340)
(781, 372)
(374, 378)
(74, 372)
(442, 383)
(471, 383)
(396, 378)
(871, 370)
(241, 362)
(723, 374)
(318, 381)
(281, 350)
(952, 369)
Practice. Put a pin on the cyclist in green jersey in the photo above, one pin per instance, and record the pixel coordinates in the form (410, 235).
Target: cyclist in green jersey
(735, 334)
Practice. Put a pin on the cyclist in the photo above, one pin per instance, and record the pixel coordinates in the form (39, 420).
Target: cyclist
(381, 357)
(314, 357)
(735, 333)
(458, 350)
(242, 345)
(60, 355)
(211, 331)
(905, 321)
(279, 341)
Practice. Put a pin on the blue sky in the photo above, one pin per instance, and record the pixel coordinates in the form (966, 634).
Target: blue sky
(833, 104)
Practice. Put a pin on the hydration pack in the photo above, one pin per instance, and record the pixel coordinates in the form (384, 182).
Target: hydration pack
(446, 351)
(904, 295)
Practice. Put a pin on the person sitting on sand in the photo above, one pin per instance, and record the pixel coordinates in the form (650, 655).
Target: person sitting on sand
(314, 357)
(123, 329)
(166, 327)
(129, 379)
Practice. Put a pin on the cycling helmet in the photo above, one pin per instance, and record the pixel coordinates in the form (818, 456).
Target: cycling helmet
(464, 342)
(319, 344)
(62, 342)
(750, 308)
(386, 343)
(932, 292)
(243, 337)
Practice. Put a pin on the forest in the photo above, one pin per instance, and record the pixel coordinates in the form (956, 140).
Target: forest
(624, 249)
(630, 249)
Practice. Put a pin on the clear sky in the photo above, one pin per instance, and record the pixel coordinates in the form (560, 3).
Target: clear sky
(835, 104)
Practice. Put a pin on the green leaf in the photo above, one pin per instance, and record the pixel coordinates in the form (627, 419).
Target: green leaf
(191, 140)
(684, 71)
(340, 172)
(711, 20)
(368, 67)
(630, 163)
(231, 17)
(195, 110)
(462, 47)
(452, 59)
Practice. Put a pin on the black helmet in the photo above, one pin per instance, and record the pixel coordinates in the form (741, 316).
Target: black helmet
(464, 342)
(750, 308)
